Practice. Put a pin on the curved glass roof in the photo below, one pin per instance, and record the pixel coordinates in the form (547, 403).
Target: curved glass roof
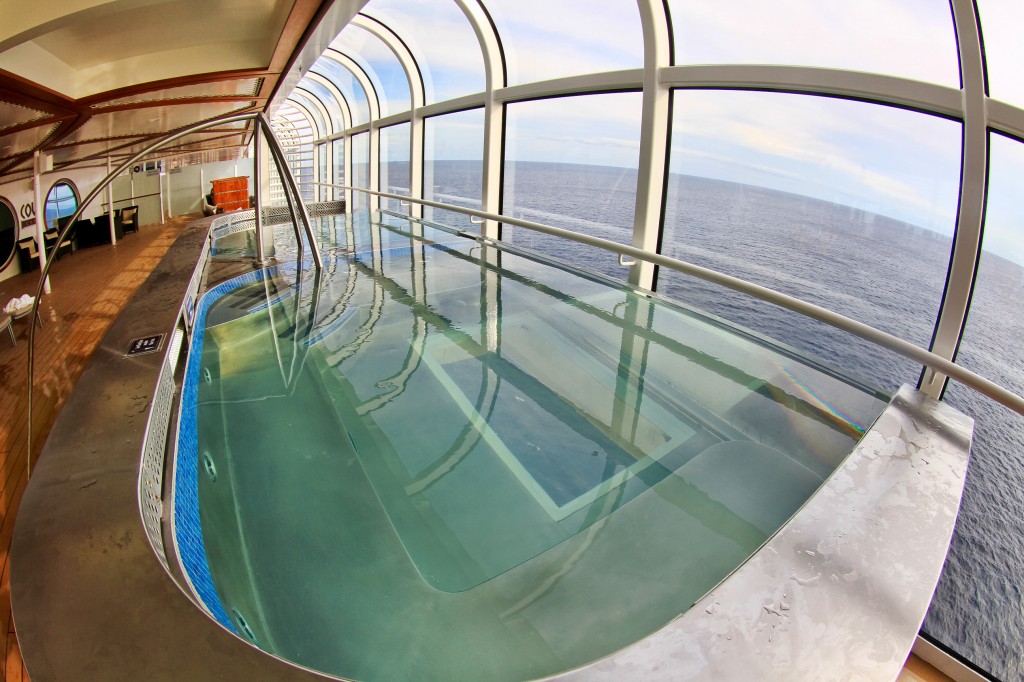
(380, 64)
(442, 42)
(544, 40)
(862, 131)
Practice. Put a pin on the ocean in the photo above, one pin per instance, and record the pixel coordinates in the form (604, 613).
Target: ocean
(869, 267)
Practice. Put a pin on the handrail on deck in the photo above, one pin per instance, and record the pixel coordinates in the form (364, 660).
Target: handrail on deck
(291, 188)
(878, 337)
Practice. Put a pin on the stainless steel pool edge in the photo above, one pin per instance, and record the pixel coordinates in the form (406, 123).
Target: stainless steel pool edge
(90, 598)
(841, 590)
(92, 601)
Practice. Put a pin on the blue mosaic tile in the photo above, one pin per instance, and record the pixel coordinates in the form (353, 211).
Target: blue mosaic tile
(188, 532)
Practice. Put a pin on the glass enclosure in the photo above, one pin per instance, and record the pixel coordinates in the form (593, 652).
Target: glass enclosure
(453, 164)
(817, 149)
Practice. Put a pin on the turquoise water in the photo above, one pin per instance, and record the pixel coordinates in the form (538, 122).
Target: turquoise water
(438, 460)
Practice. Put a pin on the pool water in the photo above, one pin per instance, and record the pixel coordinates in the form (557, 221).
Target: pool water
(438, 460)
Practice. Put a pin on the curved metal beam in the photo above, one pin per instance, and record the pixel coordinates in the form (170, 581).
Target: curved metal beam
(963, 264)
(494, 111)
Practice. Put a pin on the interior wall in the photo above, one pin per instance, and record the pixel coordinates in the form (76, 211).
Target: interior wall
(21, 195)
(141, 189)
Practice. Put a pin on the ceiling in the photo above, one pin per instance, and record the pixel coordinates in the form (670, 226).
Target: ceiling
(82, 80)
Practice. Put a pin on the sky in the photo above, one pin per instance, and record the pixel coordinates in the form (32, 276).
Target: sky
(894, 162)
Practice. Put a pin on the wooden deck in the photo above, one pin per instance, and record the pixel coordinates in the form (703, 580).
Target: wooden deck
(90, 288)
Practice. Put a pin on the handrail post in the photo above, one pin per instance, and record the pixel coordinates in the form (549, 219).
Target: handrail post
(289, 181)
(257, 179)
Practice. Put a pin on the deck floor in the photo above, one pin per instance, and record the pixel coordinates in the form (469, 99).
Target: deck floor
(90, 289)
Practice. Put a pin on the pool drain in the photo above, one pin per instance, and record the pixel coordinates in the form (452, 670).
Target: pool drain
(211, 468)
(246, 630)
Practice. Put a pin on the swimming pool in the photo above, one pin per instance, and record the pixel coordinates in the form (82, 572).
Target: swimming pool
(444, 460)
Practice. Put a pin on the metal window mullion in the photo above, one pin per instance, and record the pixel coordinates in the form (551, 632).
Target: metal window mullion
(414, 79)
(973, 187)
(654, 140)
(494, 111)
(873, 87)
(373, 101)
(343, 105)
(321, 107)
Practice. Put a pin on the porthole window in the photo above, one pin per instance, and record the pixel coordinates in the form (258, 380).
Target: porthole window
(8, 232)
(61, 201)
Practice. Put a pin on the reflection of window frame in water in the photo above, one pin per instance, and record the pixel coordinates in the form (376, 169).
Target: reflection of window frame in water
(676, 430)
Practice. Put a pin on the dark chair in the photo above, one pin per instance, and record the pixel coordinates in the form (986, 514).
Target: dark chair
(101, 228)
(50, 239)
(28, 256)
(84, 233)
(129, 218)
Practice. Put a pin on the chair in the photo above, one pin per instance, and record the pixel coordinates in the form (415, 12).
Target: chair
(129, 217)
(5, 321)
(101, 229)
(66, 245)
(84, 233)
(28, 255)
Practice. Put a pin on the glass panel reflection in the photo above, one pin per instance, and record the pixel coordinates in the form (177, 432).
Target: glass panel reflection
(544, 40)
(1004, 50)
(360, 168)
(322, 192)
(910, 39)
(394, 165)
(442, 41)
(349, 87)
(571, 163)
(380, 64)
(328, 100)
(338, 147)
(453, 165)
(847, 205)
(976, 610)
(312, 112)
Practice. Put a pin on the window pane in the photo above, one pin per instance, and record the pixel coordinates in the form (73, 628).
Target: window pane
(1004, 50)
(8, 233)
(380, 64)
(339, 167)
(60, 202)
(327, 98)
(976, 610)
(394, 165)
(843, 204)
(360, 168)
(544, 40)
(295, 133)
(453, 168)
(310, 109)
(323, 192)
(442, 41)
(349, 87)
(913, 39)
(571, 163)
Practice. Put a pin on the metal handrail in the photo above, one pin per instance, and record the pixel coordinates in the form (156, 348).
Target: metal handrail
(878, 337)
(283, 171)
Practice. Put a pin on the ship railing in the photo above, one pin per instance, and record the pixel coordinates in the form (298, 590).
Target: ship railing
(878, 337)
(297, 208)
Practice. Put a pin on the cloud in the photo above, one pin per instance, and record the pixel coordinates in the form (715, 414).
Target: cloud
(913, 38)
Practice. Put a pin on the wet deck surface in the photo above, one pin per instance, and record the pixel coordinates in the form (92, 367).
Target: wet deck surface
(90, 289)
